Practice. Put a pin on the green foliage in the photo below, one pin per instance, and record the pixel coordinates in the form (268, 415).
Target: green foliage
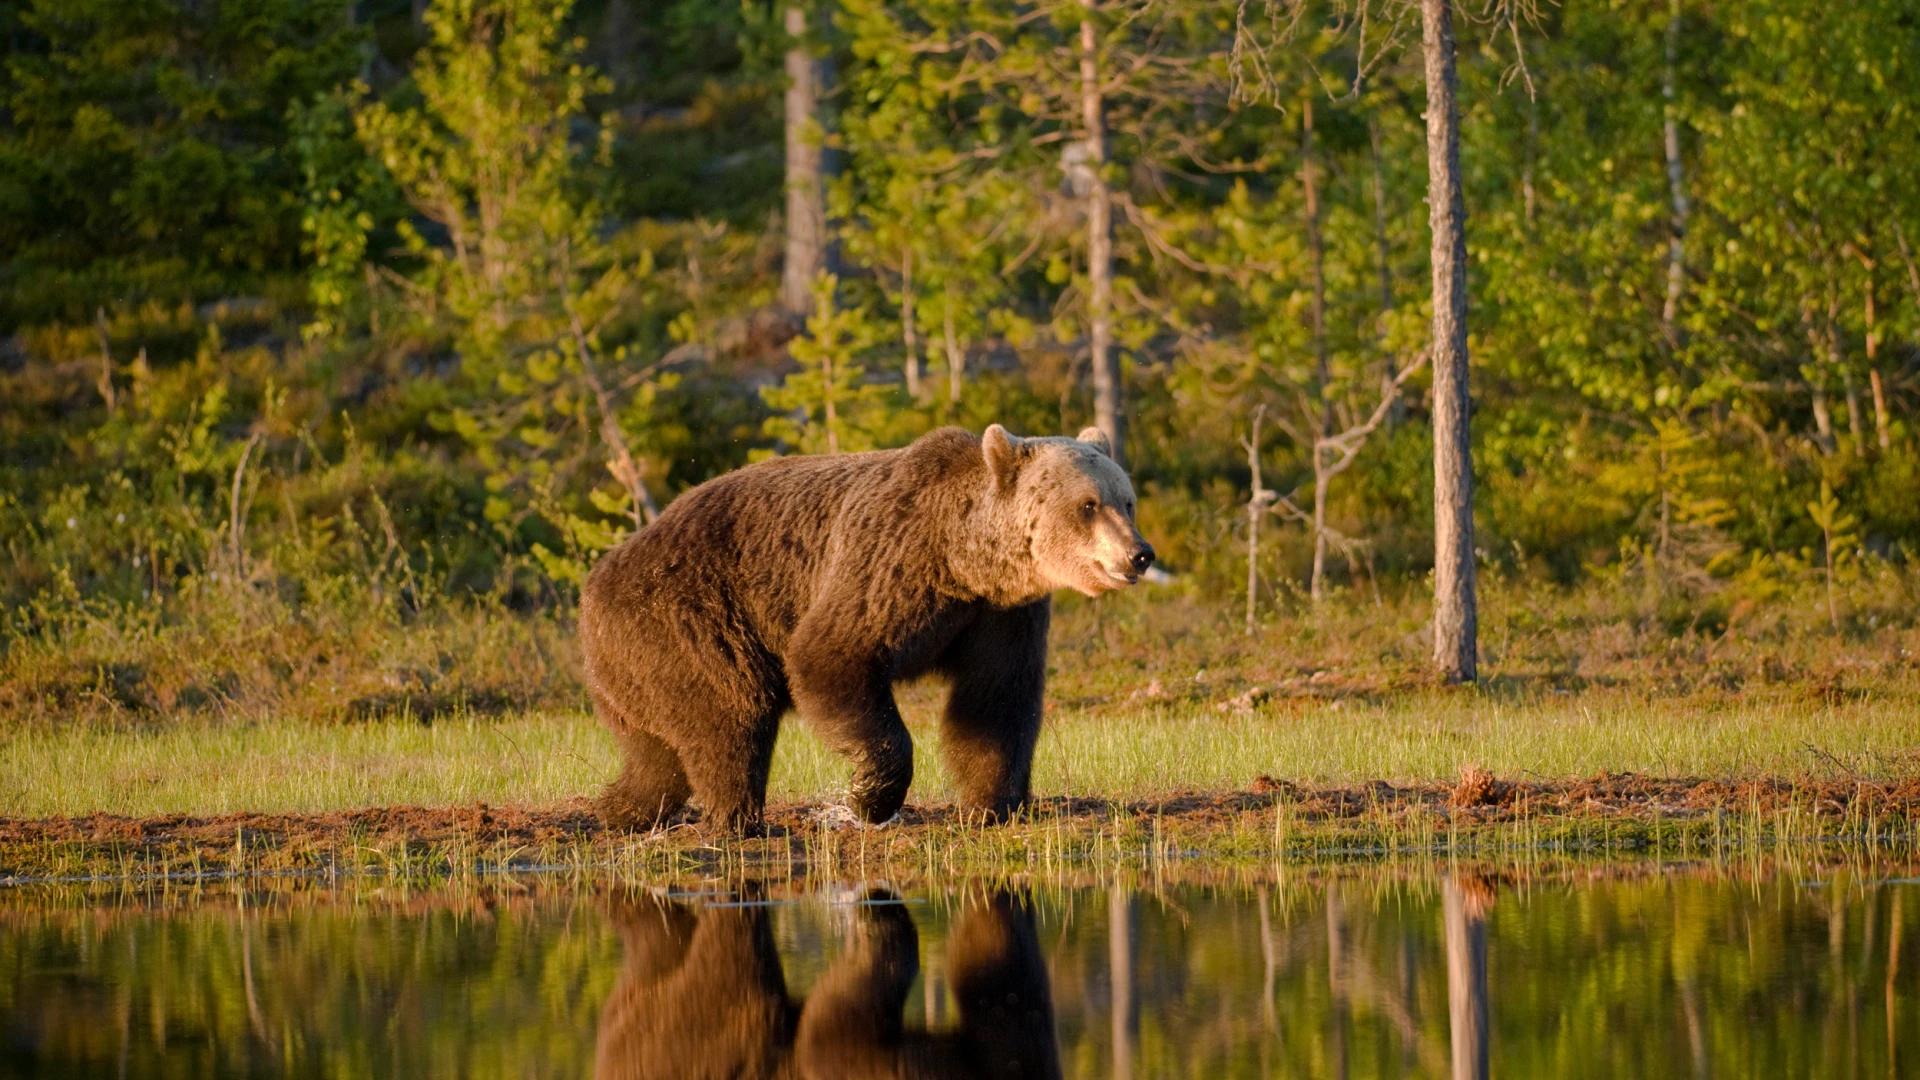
(345, 195)
(467, 297)
(522, 282)
(828, 406)
(487, 157)
(145, 155)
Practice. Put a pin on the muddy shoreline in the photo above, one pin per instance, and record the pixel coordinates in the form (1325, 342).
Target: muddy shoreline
(1272, 818)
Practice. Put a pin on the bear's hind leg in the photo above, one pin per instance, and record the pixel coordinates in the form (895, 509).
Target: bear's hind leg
(729, 775)
(651, 788)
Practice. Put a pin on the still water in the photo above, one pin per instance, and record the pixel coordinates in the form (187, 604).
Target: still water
(1622, 971)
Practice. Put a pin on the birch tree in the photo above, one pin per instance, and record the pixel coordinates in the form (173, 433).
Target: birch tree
(1455, 611)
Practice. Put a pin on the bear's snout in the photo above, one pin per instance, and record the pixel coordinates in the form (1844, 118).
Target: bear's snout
(1142, 557)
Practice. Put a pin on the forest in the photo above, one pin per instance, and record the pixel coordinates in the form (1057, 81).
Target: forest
(337, 338)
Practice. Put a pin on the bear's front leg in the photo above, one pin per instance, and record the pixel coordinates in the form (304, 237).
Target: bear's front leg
(848, 699)
(992, 721)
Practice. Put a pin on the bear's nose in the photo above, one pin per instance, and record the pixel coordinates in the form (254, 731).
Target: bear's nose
(1142, 558)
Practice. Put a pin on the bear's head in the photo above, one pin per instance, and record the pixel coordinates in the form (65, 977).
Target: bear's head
(1073, 505)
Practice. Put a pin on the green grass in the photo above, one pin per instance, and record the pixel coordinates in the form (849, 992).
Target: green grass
(1121, 751)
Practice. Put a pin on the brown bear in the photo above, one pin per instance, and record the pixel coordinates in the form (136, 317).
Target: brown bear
(817, 583)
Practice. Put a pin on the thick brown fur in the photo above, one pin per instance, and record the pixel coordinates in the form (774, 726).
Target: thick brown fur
(816, 583)
(702, 993)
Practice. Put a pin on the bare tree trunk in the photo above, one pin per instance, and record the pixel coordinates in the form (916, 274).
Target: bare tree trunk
(1466, 933)
(806, 219)
(916, 374)
(1107, 413)
(1120, 966)
(1455, 624)
(1676, 180)
(1321, 424)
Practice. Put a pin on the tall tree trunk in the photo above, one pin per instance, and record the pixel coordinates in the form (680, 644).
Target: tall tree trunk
(1321, 424)
(806, 218)
(1466, 934)
(1125, 1020)
(1455, 624)
(1107, 413)
(1676, 180)
(916, 374)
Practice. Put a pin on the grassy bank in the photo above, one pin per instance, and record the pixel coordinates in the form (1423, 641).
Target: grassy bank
(1493, 772)
(1126, 750)
(1741, 723)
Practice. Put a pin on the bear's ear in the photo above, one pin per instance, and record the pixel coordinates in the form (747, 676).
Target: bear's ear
(1097, 439)
(1002, 452)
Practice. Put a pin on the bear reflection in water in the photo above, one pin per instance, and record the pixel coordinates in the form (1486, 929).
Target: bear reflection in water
(702, 994)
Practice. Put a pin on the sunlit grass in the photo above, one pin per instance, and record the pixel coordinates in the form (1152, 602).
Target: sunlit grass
(1118, 752)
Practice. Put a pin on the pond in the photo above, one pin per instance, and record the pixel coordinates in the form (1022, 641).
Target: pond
(1638, 970)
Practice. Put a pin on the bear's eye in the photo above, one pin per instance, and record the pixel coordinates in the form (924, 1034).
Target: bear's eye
(1088, 508)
